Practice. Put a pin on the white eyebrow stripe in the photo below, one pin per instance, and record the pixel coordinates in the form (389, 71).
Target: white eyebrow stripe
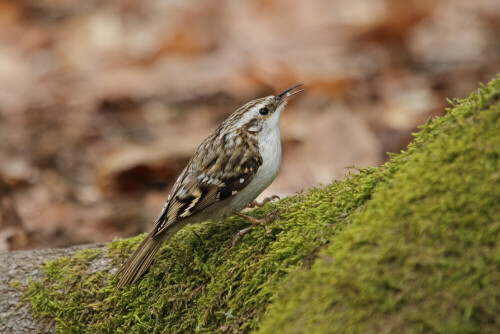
(258, 106)
(251, 113)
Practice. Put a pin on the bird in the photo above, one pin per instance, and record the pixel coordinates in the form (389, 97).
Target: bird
(227, 172)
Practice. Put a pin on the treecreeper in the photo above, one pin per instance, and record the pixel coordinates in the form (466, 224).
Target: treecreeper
(230, 168)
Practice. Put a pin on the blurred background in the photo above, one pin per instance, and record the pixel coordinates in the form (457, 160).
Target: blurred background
(103, 102)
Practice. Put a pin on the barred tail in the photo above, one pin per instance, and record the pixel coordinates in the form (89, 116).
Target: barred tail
(140, 260)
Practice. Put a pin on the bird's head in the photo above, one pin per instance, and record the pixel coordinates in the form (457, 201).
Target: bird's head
(263, 114)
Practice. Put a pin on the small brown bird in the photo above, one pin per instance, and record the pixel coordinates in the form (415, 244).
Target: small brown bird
(227, 172)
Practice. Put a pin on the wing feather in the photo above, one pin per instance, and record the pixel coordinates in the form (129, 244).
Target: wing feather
(209, 177)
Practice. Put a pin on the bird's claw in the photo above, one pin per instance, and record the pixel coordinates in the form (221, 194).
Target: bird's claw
(254, 222)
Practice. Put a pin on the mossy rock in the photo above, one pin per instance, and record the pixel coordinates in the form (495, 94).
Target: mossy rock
(423, 256)
(411, 246)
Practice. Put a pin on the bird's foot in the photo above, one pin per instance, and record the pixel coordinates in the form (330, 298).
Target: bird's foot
(254, 222)
(256, 204)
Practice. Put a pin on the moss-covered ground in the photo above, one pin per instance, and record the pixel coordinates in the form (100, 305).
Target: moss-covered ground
(423, 256)
(411, 246)
(198, 283)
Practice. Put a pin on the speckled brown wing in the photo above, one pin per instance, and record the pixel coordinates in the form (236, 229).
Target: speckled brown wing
(215, 173)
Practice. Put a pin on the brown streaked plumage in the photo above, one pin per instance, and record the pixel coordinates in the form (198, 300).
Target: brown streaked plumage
(226, 173)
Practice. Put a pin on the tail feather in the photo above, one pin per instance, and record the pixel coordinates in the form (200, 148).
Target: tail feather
(140, 260)
(134, 254)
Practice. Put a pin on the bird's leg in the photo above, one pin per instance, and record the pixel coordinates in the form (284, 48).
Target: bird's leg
(254, 222)
(255, 204)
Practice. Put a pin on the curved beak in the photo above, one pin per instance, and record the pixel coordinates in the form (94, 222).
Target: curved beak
(285, 95)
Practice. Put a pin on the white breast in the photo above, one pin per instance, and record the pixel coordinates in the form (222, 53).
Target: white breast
(270, 150)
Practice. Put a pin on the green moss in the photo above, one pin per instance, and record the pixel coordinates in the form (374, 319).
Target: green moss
(406, 243)
(198, 283)
(15, 285)
(423, 256)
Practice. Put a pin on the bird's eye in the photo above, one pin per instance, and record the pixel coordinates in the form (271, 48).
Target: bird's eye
(263, 111)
